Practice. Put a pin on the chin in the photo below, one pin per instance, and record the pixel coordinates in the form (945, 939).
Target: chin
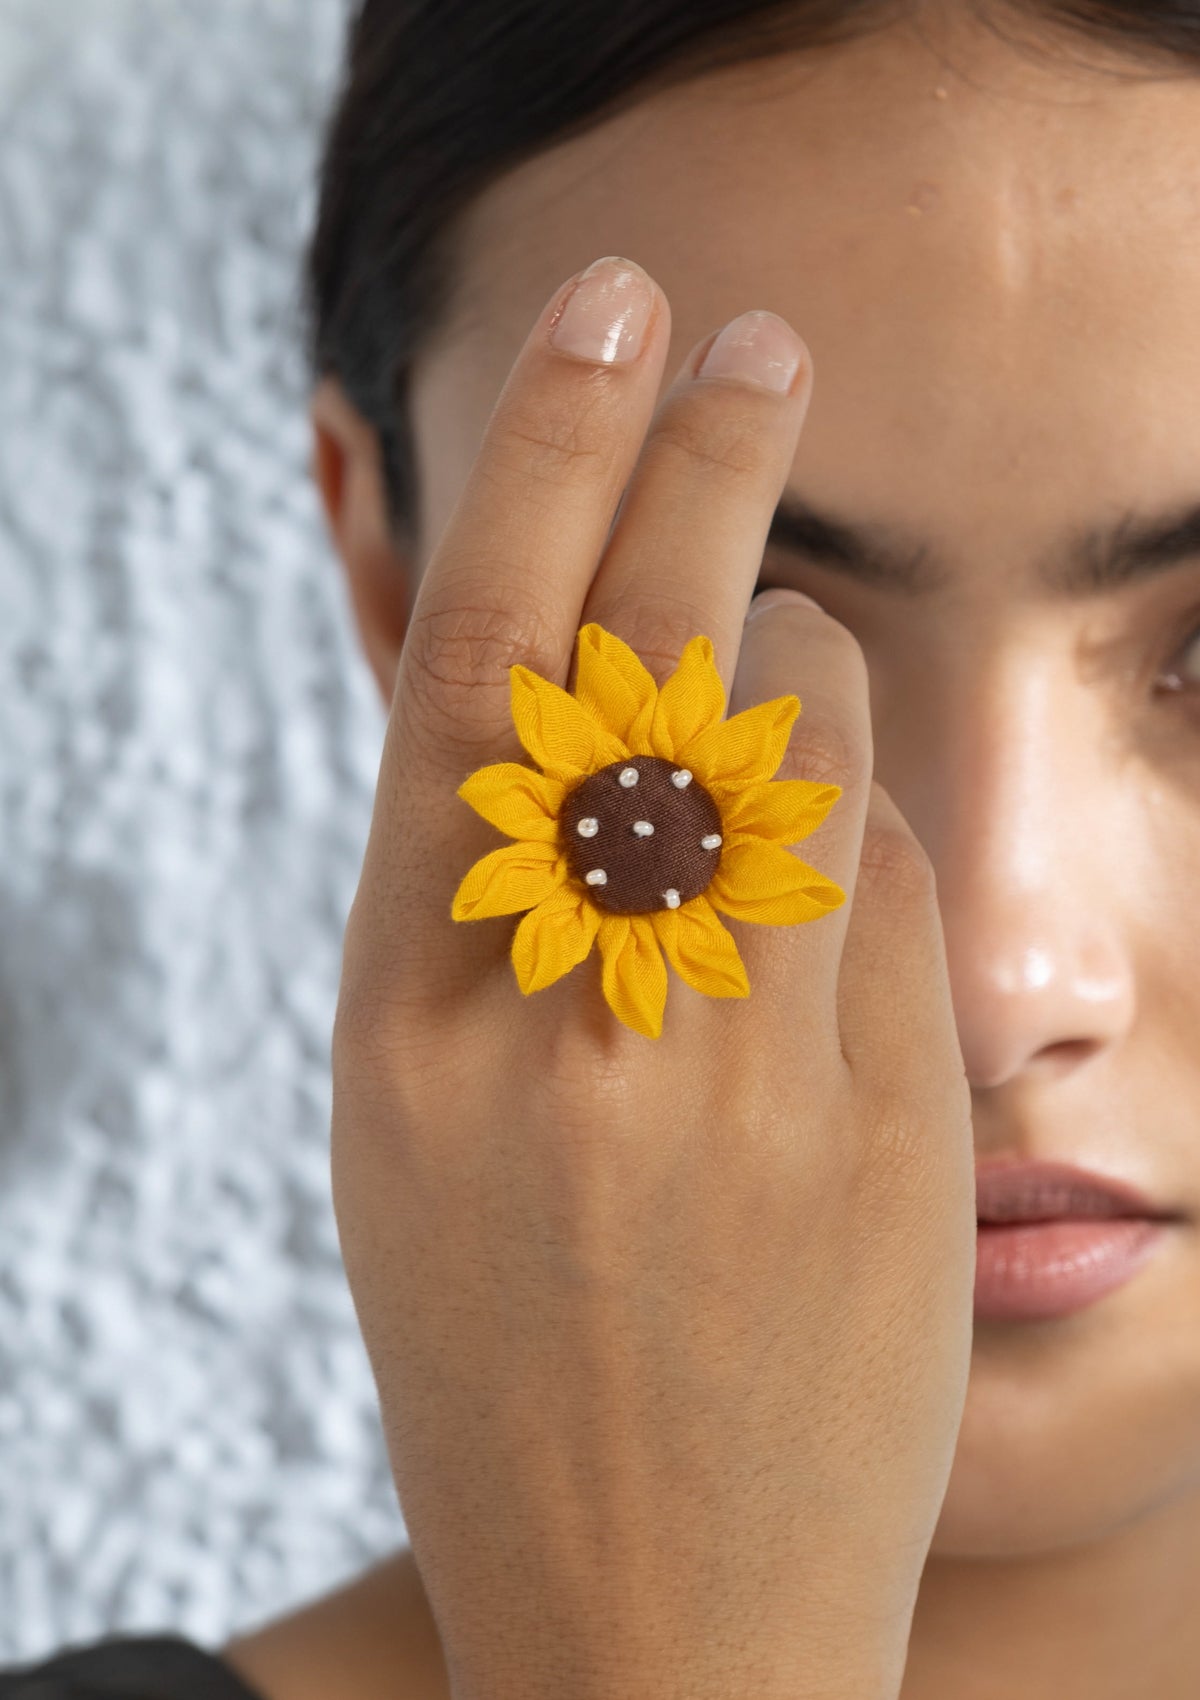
(1073, 1430)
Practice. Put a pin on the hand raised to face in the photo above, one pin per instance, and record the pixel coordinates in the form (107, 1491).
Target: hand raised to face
(670, 1316)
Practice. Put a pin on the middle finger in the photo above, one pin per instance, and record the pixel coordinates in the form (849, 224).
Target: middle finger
(688, 541)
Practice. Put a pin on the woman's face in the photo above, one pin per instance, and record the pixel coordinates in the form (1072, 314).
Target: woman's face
(995, 261)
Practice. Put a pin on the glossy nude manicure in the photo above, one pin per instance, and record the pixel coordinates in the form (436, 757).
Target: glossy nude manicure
(607, 313)
(756, 348)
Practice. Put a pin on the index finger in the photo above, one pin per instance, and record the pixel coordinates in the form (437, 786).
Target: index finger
(507, 584)
(508, 579)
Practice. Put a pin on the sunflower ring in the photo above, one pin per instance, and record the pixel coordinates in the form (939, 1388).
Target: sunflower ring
(652, 812)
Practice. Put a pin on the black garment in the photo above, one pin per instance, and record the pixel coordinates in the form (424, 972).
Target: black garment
(144, 1667)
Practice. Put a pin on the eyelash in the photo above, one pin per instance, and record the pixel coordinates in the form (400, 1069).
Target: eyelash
(1185, 692)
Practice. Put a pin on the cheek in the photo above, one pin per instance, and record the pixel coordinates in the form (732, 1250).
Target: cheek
(1155, 904)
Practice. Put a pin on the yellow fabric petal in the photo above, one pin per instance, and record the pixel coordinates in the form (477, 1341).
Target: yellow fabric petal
(559, 733)
(785, 810)
(743, 750)
(641, 732)
(634, 975)
(690, 701)
(702, 950)
(760, 881)
(553, 938)
(612, 681)
(509, 879)
(519, 801)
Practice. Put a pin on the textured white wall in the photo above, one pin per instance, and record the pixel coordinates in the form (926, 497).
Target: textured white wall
(188, 742)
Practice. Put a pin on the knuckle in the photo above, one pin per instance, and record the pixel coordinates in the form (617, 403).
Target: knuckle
(892, 856)
(661, 615)
(552, 441)
(896, 1144)
(846, 659)
(454, 651)
(825, 751)
(710, 435)
(912, 1155)
(833, 632)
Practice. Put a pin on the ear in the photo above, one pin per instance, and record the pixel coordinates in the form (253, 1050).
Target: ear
(347, 468)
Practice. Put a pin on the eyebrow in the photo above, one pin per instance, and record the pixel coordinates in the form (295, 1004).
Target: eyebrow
(1087, 563)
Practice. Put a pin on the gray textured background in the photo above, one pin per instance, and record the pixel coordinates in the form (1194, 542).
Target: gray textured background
(188, 743)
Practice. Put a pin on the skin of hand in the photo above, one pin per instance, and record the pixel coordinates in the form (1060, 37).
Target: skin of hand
(991, 254)
(671, 1346)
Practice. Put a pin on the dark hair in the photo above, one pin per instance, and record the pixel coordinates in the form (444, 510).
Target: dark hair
(441, 97)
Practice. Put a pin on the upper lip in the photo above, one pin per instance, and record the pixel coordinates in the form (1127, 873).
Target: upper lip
(1007, 1191)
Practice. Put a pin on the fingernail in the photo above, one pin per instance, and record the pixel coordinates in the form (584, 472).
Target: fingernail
(756, 348)
(779, 598)
(605, 316)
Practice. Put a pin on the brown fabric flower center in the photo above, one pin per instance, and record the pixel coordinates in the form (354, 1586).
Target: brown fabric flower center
(641, 835)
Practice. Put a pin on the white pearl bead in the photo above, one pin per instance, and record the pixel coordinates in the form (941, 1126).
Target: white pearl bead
(643, 828)
(681, 777)
(588, 827)
(671, 897)
(597, 876)
(711, 841)
(628, 776)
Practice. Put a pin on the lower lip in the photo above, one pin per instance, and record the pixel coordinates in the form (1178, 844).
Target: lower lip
(1029, 1270)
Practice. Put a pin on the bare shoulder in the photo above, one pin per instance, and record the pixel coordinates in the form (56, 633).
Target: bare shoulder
(374, 1638)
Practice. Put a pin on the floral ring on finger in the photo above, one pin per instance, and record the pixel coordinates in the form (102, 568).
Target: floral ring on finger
(652, 815)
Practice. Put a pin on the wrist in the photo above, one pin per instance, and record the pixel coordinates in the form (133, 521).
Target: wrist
(665, 1679)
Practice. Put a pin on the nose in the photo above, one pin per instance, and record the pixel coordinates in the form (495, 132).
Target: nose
(1030, 835)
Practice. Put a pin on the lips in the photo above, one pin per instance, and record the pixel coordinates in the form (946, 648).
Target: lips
(1008, 1191)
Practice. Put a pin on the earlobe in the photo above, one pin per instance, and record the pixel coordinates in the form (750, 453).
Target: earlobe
(347, 469)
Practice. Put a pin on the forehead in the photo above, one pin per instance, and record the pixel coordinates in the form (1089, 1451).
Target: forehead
(993, 256)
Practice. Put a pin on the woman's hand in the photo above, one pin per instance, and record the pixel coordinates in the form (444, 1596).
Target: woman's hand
(671, 1336)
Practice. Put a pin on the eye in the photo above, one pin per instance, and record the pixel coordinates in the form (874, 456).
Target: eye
(1180, 679)
(1179, 676)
